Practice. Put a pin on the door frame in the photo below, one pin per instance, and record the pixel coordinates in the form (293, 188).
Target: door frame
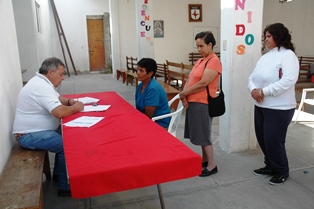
(107, 35)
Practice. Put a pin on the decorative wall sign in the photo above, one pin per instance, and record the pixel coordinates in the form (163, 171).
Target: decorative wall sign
(195, 13)
(158, 28)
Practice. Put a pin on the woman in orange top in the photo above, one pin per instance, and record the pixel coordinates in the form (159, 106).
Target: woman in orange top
(198, 123)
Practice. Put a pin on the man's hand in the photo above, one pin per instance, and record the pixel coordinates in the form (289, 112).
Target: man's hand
(79, 106)
(65, 110)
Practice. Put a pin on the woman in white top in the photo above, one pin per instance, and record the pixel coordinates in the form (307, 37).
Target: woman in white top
(272, 87)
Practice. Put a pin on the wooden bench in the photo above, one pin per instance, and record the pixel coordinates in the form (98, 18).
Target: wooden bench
(305, 77)
(121, 73)
(305, 66)
(194, 56)
(175, 74)
(21, 179)
(171, 92)
(179, 73)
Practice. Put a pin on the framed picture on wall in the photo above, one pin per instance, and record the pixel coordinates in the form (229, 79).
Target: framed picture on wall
(158, 28)
(195, 13)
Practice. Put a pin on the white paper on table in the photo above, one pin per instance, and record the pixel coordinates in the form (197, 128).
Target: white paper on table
(88, 100)
(97, 108)
(84, 121)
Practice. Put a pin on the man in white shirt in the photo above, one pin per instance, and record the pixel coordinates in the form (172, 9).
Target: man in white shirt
(38, 113)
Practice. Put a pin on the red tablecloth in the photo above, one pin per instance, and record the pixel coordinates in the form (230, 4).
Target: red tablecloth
(126, 150)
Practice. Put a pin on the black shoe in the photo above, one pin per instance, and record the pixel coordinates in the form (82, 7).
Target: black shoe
(278, 179)
(204, 164)
(55, 177)
(205, 172)
(263, 171)
(64, 193)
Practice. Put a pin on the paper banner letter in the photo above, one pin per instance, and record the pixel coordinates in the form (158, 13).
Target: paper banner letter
(249, 39)
(147, 27)
(238, 3)
(241, 49)
(249, 17)
(147, 18)
(240, 30)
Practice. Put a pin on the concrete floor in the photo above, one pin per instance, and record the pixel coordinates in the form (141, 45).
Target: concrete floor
(234, 187)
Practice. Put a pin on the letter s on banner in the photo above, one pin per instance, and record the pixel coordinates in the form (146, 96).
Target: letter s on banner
(241, 49)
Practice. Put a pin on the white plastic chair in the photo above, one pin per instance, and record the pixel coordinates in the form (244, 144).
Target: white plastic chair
(175, 116)
(304, 100)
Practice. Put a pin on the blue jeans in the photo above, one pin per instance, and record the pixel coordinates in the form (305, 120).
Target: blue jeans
(52, 142)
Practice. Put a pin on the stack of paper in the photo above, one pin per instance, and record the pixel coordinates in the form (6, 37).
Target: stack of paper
(84, 121)
(88, 100)
(97, 108)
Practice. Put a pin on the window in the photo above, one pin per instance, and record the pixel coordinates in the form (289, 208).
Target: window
(38, 17)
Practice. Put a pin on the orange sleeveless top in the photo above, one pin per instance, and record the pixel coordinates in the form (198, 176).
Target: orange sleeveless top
(196, 75)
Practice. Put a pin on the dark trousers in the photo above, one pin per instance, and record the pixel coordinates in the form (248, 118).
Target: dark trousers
(271, 129)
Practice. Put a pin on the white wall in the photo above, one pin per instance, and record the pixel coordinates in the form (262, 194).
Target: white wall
(25, 29)
(72, 14)
(34, 47)
(10, 78)
(178, 38)
(298, 17)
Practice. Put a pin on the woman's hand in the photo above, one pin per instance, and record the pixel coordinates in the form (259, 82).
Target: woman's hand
(184, 100)
(258, 95)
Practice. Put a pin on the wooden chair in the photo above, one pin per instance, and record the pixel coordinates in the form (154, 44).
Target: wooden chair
(134, 64)
(175, 74)
(131, 74)
(128, 63)
(161, 72)
(186, 70)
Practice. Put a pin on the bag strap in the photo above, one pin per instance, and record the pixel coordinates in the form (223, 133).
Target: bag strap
(220, 85)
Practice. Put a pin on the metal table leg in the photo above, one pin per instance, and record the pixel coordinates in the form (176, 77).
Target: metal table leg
(161, 198)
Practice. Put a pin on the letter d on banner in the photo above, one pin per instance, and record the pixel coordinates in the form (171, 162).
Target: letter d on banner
(240, 30)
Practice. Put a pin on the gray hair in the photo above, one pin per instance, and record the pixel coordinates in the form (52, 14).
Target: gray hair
(50, 64)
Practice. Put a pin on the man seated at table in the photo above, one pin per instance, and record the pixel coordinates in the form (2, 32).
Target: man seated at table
(150, 97)
(38, 113)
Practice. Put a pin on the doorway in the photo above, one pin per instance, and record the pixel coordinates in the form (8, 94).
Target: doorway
(95, 33)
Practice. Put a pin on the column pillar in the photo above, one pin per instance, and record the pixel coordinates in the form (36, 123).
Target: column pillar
(114, 29)
(241, 33)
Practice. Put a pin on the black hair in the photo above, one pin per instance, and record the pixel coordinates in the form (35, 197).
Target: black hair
(207, 36)
(280, 35)
(50, 64)
(149, 64)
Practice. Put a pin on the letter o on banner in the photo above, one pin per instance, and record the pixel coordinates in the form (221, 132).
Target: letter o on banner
(249, 39)
(144, 6)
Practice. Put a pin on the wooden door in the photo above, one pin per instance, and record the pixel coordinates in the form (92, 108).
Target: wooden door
(95, 30)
